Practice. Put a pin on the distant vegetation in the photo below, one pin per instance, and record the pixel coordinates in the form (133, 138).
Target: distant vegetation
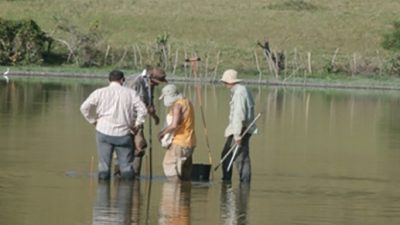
(392, 39)
(22, 42)
(391, 42)
(296, 5)
(310, 37)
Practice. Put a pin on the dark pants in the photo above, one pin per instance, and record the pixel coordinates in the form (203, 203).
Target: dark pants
(241, 160)
(123, 146)
(137, 164)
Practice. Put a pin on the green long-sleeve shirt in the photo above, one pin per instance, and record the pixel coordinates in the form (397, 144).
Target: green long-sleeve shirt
(241, 112)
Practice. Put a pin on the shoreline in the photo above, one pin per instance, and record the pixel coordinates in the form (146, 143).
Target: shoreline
(308, 83)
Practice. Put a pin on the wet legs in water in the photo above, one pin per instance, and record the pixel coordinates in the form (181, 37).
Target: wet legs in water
(242, 160)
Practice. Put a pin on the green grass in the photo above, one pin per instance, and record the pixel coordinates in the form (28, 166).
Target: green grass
(230, 26)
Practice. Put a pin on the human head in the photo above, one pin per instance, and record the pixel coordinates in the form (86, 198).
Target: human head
(157, 76)
(116, 75)
(229, 77)
(170, 94)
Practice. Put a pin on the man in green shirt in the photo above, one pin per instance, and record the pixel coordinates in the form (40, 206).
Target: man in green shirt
(240, 117)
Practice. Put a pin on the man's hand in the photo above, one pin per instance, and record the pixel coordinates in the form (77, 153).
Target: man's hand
(152, 112)
(161, 135)
(135, 129)
(238, 141)
(156, 119)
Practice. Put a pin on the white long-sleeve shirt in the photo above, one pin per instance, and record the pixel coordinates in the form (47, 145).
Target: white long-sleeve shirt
(241, 112)
(117, 109)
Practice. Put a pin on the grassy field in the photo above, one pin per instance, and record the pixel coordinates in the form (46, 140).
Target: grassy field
(231, 27)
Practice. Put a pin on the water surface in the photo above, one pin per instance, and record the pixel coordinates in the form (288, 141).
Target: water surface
(322, 156)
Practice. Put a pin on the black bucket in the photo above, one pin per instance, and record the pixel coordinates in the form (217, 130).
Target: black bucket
(201, 172)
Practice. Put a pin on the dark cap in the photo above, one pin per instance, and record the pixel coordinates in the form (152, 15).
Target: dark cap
(115, 75)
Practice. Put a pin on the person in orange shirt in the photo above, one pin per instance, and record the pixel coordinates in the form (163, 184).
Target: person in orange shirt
(177, 163)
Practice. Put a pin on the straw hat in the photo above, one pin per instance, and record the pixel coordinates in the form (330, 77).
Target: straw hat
(230, 77)
(170, 94)
(158, 75)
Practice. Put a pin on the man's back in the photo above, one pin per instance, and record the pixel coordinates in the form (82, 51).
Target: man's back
(117, 108)
(185, 134)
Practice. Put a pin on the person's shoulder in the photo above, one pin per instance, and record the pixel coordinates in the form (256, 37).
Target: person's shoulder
(132, 77)
(183, 100)
(127, 90)
(242, 86)
(240, 89)
(101, 89)
(133, 80)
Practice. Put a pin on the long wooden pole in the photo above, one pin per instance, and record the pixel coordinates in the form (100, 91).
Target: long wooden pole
(194, 64)
(150, 92)
(150, 150)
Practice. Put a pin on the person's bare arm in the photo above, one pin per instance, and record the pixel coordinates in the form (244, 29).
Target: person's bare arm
(177, 116)
(152, 112)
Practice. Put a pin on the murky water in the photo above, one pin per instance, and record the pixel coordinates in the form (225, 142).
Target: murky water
(321, 157)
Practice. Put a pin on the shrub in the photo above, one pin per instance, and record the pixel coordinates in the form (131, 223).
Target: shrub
(22, 42)
(296, 5)
(83, 45)
(393, 65)
(391, 40)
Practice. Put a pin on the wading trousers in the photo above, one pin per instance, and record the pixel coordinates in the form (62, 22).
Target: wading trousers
(123, 146)
(241, 160)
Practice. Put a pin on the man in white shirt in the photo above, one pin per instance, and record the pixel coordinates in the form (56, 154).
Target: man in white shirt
(119, 113)
(240, 117)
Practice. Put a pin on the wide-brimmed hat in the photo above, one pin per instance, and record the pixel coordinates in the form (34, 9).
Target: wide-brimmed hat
(170, 94)
(230, 77)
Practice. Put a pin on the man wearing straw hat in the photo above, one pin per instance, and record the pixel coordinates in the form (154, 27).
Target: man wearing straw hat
(241, 116)
(144, 85)
(177, 163)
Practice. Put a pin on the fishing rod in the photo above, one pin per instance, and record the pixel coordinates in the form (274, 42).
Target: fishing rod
(201, 175)
(148, 201)
(150, 151)
(150, 94)
(235, 147)
(194, 66)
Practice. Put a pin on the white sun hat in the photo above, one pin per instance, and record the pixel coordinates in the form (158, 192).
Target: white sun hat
(230, 77)
(170, 94)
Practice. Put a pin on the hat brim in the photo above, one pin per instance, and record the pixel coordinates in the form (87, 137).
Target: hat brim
(159, 80)
(233, 81)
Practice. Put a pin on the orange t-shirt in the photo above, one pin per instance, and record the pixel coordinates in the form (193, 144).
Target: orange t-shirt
(185, 136)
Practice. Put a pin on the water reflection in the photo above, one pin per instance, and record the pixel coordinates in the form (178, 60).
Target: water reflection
(117, 203)
(234, 204)
(175, 203)
(322, 156)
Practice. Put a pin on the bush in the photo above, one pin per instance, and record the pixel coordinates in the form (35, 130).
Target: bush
(22, 42)
(393, 65)
(296, 5)
(391, 40)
